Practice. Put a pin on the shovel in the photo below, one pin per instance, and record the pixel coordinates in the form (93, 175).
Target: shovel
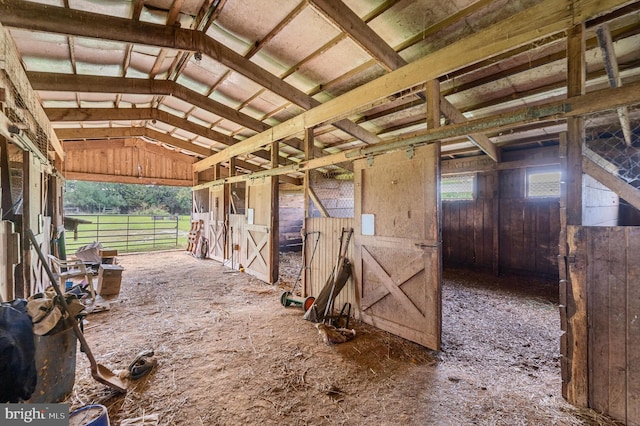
(99, 372)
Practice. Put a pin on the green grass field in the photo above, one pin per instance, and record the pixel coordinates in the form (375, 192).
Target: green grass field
(129, 233)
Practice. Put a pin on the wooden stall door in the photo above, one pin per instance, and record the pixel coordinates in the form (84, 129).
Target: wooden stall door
(398, 244)
(217, 223)
(256, 248)
(604, 259)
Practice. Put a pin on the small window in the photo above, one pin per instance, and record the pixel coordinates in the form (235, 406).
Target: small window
(458, 187)
(543, 183)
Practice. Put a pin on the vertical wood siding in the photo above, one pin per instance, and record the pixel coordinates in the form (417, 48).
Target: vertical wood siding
(613, 297)
(528, 229)
(129, 158)
(325, 257)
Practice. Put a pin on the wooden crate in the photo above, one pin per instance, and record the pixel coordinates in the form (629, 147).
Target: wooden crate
(109, 279)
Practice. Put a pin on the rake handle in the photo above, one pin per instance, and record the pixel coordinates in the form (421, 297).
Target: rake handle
(76, 329)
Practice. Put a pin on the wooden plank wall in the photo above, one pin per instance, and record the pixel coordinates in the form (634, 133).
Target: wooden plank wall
(468, 227)
(529, 228)
(527, 234)
(324, 260)
(127, 161)
(613, 303)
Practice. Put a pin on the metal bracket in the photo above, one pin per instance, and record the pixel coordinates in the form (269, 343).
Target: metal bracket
(410, 152)
(370, 160)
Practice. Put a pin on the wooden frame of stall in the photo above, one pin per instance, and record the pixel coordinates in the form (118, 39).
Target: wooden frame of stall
(31, 186)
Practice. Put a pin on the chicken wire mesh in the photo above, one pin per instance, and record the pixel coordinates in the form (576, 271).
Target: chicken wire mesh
(457, 187)
(334, 190)
(16, 181)
(612, 140)
(541, 184)
(21, 116)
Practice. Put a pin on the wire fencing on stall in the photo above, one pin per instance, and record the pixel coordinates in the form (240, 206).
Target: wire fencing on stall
(334, 191)
(612, 140)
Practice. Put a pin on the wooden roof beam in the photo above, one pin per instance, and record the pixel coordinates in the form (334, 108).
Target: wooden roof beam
(552, 111)
(545, 18)
(37, 17)
(371, 42)
(100, 84)
(126, 114)
(613, 74)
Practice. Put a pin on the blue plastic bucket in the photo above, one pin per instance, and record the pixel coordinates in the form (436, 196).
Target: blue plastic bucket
(90, 415)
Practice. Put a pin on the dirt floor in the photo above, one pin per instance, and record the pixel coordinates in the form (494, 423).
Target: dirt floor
(229, 354)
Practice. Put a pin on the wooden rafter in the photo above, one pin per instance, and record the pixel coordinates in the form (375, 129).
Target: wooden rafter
(379, 10)
(172, 17)
(573, 107)
(345, 19)
(545, 18)
(87, 83)
(155, 69)
(100, 84)
(376, 46)
(450, 20)
(132, 114)
(276, 30)
(120, 114)
(208, 13)
(58, 20)
(136, 10)
(613, 73)
(557, 52)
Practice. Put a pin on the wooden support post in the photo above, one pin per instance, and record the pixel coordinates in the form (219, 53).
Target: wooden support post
(495, 222)
(232, 172)
(5, 180)
(433, 104)
(433, 120)
(275, 215)
(308, 155)
(576, 350)
(25, 291)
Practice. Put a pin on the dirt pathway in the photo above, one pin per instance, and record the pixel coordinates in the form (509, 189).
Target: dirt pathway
(230, 354)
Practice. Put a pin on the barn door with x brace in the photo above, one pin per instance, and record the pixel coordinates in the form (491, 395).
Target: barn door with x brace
(257, 252)
(398, 244)
(217, 222)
